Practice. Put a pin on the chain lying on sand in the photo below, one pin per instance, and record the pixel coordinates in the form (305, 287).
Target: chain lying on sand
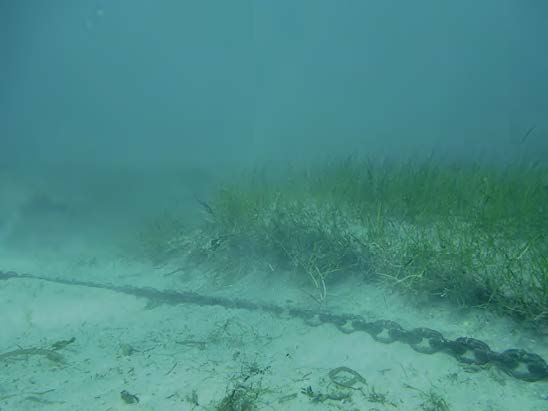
(518, 363)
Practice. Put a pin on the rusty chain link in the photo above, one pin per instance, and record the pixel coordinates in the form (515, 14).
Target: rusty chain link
(518, 363)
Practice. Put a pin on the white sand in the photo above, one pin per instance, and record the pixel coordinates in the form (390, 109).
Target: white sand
(190, 357)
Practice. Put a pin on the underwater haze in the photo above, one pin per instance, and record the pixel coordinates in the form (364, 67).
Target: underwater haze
(148, 84)
(274, 205)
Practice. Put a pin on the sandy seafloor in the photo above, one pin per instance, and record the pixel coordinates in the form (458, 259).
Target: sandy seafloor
(188, 357)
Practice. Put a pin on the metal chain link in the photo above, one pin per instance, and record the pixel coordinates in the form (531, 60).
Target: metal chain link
(518, 363)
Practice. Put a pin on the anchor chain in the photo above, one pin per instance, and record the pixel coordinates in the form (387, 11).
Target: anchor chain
(518, 363)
